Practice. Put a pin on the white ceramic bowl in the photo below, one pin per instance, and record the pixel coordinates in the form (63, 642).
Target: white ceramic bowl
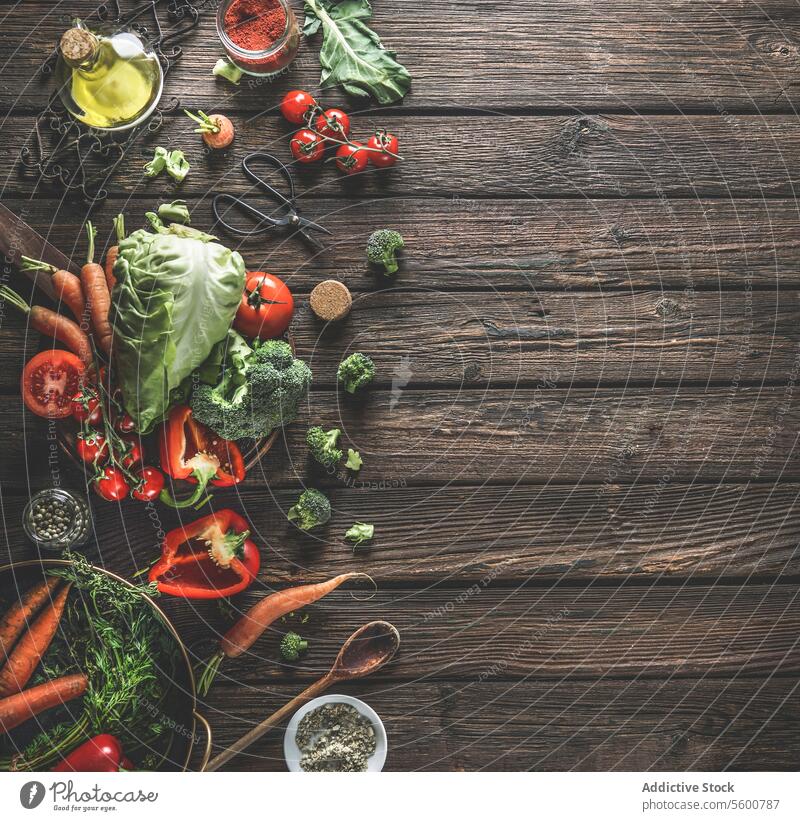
(292, 752)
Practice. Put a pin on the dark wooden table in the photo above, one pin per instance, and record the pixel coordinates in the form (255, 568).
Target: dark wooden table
(580, 454)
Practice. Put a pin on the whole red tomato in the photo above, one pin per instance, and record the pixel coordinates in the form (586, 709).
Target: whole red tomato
(384, 142)
(296, 106)
(307, 146)
(111, 484)
(86, 407)
(333, 123)
(351, 158)
(151, 483)
(133, 451)
(92, 448)
(266, 308)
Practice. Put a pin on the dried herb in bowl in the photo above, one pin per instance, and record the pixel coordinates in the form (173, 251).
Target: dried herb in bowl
(335, 738)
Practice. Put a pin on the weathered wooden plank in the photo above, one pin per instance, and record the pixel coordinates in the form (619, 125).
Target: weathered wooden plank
(601, 437)
(617, 54)
(505, 244)
(486, 633)
(714, 725)
(537, 339)
(515, 156)
(638, 534)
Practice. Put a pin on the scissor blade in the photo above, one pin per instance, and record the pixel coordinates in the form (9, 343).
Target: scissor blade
(304, 223)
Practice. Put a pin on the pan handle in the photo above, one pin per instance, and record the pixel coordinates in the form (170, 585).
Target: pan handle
(207, 751)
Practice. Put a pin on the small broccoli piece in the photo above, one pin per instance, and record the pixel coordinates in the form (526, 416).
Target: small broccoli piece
(355, 372)
(354, 460)
(312, 509)
(381, 249)
(254, 398)
(322, 445)
(292, 645)
(359, 532)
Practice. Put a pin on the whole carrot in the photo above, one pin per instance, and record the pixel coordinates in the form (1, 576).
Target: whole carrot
(113, 251)
(51, 324)
(67, 286)
(261, 615)
(16, 618)
(25, 657)
(17, 709)
(93, 278)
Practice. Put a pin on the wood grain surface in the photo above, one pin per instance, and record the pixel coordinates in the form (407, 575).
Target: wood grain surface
(580, 452)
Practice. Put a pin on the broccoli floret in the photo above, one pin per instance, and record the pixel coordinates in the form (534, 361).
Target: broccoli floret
(355, 372)
(354, 460)
(259, 393)
(322, 445)
(382, 246)
(312, 509)
(292, 645)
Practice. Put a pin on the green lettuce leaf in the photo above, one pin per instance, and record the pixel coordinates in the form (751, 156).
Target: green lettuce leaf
(352, 54)
(174, 300)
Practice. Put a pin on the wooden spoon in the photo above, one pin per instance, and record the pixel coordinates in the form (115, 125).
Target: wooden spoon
(367, 650)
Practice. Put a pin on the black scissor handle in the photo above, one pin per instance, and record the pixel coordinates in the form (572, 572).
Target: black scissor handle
(270, 159)
(267, 223)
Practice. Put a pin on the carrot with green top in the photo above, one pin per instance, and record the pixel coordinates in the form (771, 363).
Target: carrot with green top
(30, 649)
(20, 707)
(93, 278)
(19, 614)
(113, 251)
(216, 130)
(67, 286)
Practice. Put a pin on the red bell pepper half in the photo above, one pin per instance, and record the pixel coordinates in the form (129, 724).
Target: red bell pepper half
(101, 754)
(192, 451)
(209, 559)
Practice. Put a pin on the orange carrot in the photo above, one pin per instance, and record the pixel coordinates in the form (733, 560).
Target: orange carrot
(67, 286)
(32, 646)
(17, 617)
(262, 614)
(51, 324)
(17, 709)
(216, 130)
(93, 278)
(113, 251)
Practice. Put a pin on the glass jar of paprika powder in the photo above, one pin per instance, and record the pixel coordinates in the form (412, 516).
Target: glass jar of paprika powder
(261, 37)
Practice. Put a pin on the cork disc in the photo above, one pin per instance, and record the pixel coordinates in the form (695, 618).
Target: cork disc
(77, 45)
(331, 300)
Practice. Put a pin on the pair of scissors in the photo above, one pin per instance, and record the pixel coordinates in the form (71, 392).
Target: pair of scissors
(288, 215)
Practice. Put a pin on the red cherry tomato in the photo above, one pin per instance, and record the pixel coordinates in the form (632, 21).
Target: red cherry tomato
(384, 142)
(125, 424)
(333, 123)
(351, 158)
(49, 381)
(307, 146)
(86, 407)
(92, 447)
(151, 483)
(266, 307)
(297, 106)
(111, 484)
(133, 449)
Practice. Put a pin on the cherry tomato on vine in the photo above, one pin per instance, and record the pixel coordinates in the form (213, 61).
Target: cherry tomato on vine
(125, 424)
(351, 158)
(151, 483)
(266, 307)
(333, 123)
(133, 451)
(307, 146)
(296, 106)
(92, 448)
(111, 484)
(86, 407)
(384, 142)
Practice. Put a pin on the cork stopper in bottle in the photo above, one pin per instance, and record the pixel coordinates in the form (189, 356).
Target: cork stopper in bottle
(331, 300)
(78, 46)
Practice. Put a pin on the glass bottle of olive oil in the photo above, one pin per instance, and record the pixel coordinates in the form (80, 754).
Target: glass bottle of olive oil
(108, 82)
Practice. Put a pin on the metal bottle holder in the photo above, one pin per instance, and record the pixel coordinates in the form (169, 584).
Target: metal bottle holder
(62, 151)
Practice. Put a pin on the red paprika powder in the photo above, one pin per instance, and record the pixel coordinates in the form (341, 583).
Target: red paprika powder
(255, 25)
(267, 28)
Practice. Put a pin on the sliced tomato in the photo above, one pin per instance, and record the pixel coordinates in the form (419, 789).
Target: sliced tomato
(49, 382)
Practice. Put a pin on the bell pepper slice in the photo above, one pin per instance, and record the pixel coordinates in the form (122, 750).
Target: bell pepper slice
(211, 558)
(194, 452)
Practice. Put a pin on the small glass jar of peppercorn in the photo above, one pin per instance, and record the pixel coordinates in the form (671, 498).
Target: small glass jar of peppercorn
(57, 519)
